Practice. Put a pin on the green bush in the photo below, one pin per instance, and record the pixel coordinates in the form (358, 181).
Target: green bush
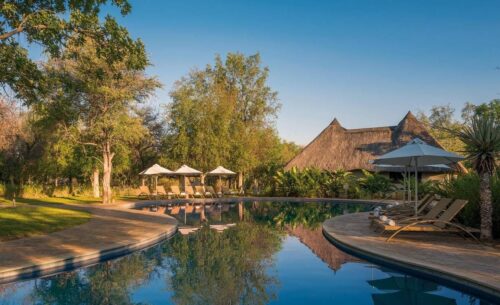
(467, 187)
(375, 185)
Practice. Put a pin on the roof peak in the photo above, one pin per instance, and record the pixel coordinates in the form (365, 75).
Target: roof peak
(335, 122)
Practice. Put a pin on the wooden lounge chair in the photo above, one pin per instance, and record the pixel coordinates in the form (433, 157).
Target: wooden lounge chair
(175, 191)
(199, 191)
(160, 191)
(404, 209)
(210, 189)
(189, 191)
(433, 213)
(440, 223)
(144, 192)
(227, 191)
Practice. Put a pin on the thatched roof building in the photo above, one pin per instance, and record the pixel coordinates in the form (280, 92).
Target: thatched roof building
(337, 147)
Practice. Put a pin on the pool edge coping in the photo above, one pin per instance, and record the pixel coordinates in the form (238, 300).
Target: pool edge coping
(73, 262)
(455, 281)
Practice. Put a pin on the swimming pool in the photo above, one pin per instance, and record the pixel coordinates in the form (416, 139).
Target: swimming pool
(239, 253)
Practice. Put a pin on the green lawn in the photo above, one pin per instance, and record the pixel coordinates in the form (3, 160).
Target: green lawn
(25, 220)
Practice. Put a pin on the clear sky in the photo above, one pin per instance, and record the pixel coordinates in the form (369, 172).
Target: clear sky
(365, 62)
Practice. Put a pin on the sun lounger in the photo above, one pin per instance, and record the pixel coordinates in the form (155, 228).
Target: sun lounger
(199, 191)
(160, 191)
(190, 191)
(210, 189)
(144, 192)
(406, 209)
(433, 221)
(206, 192)
(432, 213)
(175, 191)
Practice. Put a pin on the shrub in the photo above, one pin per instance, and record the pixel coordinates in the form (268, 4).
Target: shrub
(375, 184)
(467, 187)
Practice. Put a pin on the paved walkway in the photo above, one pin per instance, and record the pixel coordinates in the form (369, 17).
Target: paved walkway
(112, 231)
(448, 257)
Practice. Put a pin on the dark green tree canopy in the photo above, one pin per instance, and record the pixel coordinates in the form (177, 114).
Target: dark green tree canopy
(51, 24)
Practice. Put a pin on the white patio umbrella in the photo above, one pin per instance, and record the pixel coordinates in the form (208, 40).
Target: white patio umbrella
(186, 171)
(155, 171)
(416, 154)
(220, 171)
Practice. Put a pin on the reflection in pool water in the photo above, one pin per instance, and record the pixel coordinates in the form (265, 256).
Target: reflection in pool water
(274, 254)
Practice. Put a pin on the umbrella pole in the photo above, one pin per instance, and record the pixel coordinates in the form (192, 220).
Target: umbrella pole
(408, 182)
(416, 186)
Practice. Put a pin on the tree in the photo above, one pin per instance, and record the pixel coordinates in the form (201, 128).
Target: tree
(439, 123)
(96, 102)
(482, 145)
(223, 114)
(51, 24)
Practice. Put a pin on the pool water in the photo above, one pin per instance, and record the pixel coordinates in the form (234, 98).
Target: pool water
(239, 253)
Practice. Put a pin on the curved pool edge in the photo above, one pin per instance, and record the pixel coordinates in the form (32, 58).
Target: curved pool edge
(66, 263)
(452, 280)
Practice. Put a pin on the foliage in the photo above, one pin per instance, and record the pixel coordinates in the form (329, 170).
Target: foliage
(311, 182)
(467, 187)
(96, 107)
(482, 142)
(223, 114)
(439, 123)
(375, 184)
(51, 24)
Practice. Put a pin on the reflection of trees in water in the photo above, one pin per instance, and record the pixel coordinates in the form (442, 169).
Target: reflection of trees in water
(106, 283)
(231, 267)
(309, 215)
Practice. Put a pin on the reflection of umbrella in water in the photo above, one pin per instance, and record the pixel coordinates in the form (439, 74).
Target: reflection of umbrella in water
(409, 291)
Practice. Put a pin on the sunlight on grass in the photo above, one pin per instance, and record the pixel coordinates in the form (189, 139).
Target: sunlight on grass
(27, 220)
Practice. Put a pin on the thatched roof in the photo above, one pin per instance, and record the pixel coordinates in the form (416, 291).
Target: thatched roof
(337, 147)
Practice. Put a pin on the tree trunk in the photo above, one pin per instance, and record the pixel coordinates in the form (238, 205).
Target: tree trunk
(107, 158)
(486, 208)
(95, 183)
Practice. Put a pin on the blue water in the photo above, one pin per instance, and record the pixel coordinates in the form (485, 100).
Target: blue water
(274, 253)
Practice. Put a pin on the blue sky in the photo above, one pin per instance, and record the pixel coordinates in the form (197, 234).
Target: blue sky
(365, 62)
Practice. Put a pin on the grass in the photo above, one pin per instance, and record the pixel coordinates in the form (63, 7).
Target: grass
(28, 218)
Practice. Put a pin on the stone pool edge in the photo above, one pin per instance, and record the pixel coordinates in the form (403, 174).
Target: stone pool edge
(73, 262)
(450, 279)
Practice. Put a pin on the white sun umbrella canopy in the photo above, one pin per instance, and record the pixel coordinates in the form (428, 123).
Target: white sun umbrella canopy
(416, 154)
(221, 171)
(156, 170)
(187, 171)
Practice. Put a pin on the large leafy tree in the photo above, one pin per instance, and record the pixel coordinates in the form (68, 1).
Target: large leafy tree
(51, 24)
(223, 114)
(92, 100)
(481, 136)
